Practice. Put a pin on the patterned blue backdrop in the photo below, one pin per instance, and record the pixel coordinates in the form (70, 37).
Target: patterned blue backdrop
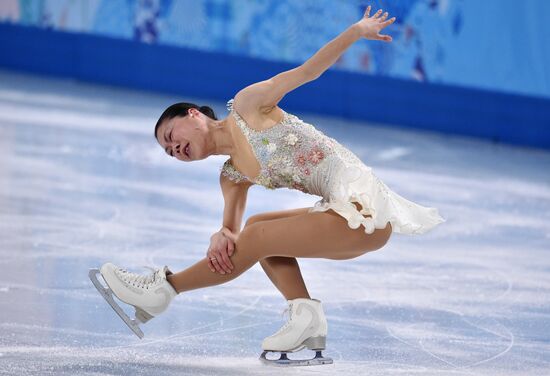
(499, 45)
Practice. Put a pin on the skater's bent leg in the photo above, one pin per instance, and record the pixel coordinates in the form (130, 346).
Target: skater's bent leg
(316, 234)
(284, 272)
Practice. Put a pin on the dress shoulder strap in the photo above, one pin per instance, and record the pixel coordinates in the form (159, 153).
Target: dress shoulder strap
(240, 121)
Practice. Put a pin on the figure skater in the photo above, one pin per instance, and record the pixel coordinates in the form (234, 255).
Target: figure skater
(273, 148)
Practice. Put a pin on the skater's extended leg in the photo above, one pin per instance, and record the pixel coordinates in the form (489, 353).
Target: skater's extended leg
(315, 234)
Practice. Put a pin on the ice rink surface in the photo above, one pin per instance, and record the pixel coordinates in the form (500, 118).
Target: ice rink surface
(83, 182)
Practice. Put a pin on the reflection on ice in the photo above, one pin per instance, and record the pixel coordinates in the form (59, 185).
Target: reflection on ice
(82, 182)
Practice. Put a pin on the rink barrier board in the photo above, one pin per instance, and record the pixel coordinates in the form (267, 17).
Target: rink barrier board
(496, 116)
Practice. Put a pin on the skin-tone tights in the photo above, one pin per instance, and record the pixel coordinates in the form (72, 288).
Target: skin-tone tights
(276, 240)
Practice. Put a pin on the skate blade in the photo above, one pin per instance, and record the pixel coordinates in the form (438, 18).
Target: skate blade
(107, 294)
(284, 361)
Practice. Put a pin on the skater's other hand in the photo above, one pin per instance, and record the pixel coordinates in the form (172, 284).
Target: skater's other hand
(370, 27)
(221, 248)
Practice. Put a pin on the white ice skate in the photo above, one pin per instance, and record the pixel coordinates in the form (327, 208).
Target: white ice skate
(149, 294)
(306, 327)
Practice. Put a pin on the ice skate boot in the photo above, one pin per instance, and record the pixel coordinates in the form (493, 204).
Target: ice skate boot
(306, 327)
(149, 294)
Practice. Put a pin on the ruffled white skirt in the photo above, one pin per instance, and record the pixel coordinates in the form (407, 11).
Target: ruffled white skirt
(357, 183)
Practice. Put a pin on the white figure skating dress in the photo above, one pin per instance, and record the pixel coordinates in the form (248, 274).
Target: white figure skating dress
(294, 154)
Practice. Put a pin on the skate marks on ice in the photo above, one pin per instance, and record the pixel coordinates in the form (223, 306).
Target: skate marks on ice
(455, 314)
(440, 345)
(458, 339)
(207, 329)
(83, 182)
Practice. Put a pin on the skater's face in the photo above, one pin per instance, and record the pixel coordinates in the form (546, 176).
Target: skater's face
(184, 137)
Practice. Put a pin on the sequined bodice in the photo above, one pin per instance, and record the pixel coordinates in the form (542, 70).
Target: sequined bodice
(293, 154)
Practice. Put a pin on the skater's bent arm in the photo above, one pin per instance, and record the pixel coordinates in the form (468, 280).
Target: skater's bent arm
(234, 196)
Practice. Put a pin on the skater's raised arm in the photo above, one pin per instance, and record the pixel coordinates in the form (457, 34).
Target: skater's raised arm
(265, 95)
(368, 27)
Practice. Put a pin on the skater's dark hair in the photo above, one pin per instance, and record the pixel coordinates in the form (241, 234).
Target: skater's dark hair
(180, 109)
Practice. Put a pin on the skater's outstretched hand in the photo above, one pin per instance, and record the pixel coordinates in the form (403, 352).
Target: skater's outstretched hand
(370, 27)
(221, 248)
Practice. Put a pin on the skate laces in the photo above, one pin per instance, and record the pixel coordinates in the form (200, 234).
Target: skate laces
(289, 311)
(286, 310)
(138, 280)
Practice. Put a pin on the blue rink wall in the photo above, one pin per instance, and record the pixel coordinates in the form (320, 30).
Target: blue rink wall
(448, 69)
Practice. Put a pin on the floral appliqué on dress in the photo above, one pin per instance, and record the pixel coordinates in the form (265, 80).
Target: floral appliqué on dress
(285, 151)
